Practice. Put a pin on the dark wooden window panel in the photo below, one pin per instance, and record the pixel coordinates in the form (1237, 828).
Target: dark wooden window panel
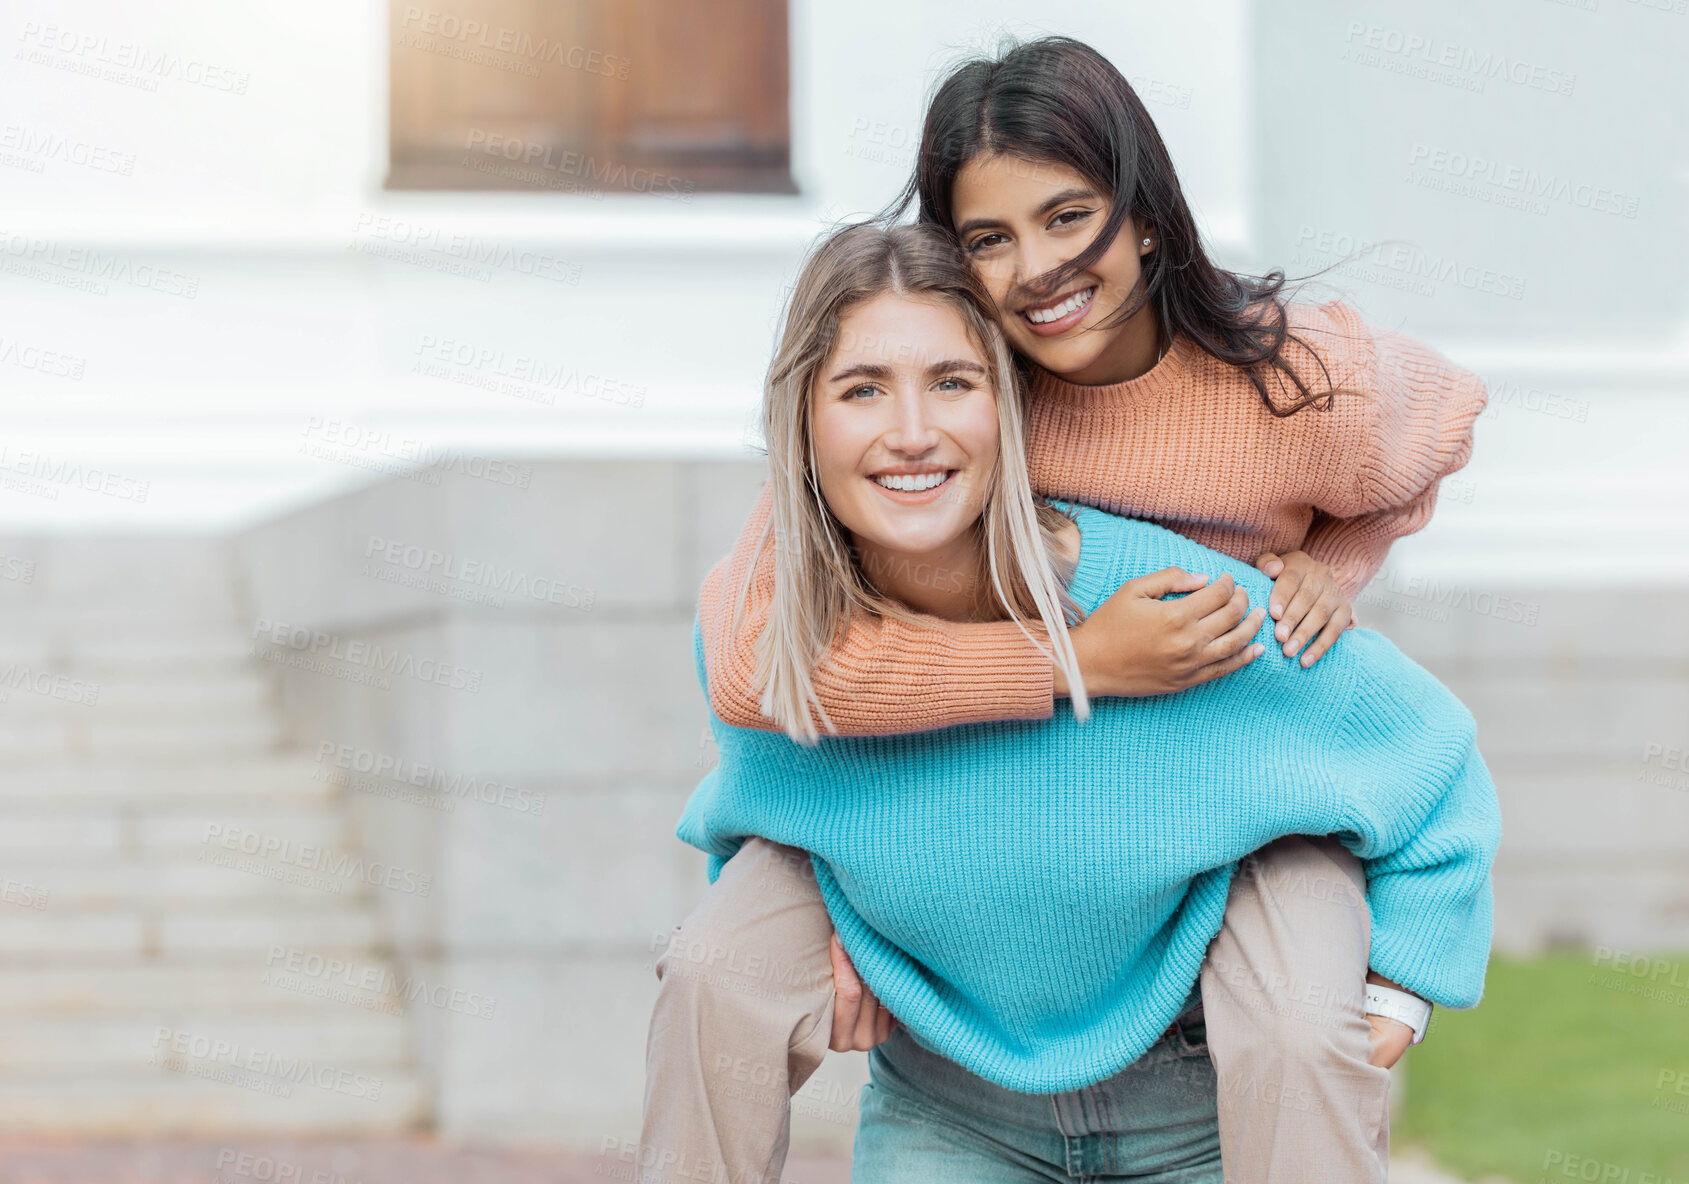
(668, 97)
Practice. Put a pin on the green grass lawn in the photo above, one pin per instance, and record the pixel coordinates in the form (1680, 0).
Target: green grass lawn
(1561, 1073)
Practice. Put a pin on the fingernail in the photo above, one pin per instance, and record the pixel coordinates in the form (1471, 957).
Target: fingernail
(1281, 632)
(1255, 651)
(1307, 659)
(1290, 650)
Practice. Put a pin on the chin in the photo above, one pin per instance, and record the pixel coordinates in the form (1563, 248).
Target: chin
(911, 541)
(1063, 357)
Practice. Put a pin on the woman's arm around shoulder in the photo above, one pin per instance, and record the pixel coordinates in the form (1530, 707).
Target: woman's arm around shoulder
(884, 676)
(1404, 420)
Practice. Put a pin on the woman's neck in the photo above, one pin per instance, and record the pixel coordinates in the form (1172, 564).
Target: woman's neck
(949, 581)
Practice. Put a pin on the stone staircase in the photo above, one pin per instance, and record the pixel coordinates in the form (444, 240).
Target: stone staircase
(185, 944)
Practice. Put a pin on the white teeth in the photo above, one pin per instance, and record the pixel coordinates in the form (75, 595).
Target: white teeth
(1043, 316)
(912, 482)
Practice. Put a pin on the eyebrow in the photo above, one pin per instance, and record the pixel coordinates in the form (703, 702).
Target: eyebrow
(1059, 199)
(876, 370)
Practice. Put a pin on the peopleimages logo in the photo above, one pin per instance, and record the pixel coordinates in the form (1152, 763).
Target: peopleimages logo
(509, 581)
(521, 375)
(41, 361)
(45, 145)
(1408, 262)
(300, 970)
(471, 250)
(220, 1059)
(1527, 183)
(272, 640)
(95, 266)
(312, 857)
(148, 65)
(1439, 60)
(334, 439)
(575, 164)
(449, 785)
(505, 40)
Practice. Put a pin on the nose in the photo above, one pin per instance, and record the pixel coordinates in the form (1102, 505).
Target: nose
(1037, 258)
(913, 431)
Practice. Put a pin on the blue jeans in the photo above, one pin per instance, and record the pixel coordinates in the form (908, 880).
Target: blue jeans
(927, 1120)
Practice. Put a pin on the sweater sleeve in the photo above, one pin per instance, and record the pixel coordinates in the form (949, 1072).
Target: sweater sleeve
(1417, 429)
(1421, 813)
(884, 675)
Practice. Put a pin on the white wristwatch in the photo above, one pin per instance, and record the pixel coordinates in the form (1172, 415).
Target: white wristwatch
(1399, 1006)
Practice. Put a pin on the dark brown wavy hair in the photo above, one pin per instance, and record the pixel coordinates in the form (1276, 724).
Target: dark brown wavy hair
(1057, 99)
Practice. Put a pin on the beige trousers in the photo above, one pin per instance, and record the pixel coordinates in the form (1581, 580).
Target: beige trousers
(745, 1003)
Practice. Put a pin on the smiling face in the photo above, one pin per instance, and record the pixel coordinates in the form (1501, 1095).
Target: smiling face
(905, 430)
(1017, 220)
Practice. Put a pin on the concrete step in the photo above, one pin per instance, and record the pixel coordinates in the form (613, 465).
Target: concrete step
(188, 651)
(179, 739)
(238, 933)
(188, 937)
(58, 834)
(164, 701)
(161, 882)
(29, 937)
(31, 649)
(25, 740)
(281, 777)
(249, 689)
(80, 733)
(335, 920)
(259, 985)
(248, 831)
(154, 1101)
(49, 837)
(337, 1037)
(139, 648)
(133, 570)
(187, 611)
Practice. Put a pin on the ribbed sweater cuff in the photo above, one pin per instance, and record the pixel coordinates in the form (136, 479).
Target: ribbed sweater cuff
(1437, 956)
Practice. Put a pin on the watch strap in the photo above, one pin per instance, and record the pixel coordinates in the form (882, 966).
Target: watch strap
(1399, 1006)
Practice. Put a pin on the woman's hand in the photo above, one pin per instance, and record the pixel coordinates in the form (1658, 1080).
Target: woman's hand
(1311, 610)
(859, 1020)
(1138, 644)
(1390, 1038)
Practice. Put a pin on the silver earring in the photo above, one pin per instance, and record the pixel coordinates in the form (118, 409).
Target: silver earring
(1146, 242)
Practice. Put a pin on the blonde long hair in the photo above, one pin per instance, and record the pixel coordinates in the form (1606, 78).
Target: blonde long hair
(818, 581)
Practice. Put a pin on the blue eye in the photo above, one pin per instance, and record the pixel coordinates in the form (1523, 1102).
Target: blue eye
(854, 391)
(956, 383)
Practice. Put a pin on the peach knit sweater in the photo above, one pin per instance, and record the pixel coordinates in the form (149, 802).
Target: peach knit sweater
(1188, 445)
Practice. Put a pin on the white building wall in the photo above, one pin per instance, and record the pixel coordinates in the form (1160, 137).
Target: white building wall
(260, 204)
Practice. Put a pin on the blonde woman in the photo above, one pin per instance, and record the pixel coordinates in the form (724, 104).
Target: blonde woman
(1038, 902)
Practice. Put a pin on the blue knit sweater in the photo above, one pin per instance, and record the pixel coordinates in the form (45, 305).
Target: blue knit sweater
(1034, 899)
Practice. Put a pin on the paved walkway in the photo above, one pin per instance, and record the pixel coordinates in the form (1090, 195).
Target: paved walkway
(410, 1161)
(277, 1161)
